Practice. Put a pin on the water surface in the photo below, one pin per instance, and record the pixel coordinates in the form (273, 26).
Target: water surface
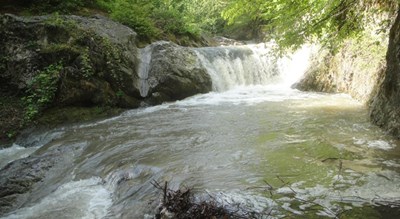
(312, 146)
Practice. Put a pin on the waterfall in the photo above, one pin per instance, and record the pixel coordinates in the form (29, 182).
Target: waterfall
(144, 68)
(234, 66)
(238, 66)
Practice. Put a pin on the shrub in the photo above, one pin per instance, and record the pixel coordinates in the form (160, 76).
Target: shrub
(41, 91)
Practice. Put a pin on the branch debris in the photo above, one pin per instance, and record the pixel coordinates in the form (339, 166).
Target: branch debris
(181, 204)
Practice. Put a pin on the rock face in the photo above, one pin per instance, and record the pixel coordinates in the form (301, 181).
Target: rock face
(19, 177)
(354, 70)
(97, 58)
(62, 61)
(385, 106)
(173, 73)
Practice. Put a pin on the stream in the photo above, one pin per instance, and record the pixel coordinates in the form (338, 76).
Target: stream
(256, 142)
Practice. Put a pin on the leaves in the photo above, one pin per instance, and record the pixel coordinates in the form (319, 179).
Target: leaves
(291, 23)
(42, 90)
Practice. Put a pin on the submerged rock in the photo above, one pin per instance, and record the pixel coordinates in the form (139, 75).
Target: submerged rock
(19, 177)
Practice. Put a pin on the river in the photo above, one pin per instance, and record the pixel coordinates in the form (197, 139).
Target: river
(241, 143)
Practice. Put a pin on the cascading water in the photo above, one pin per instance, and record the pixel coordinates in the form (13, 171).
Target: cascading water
(230, 67)
(143, 71)
(228, 143)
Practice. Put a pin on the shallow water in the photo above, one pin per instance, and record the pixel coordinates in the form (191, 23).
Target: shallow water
(234, 144)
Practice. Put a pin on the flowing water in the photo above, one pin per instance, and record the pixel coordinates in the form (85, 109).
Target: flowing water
(240, 143)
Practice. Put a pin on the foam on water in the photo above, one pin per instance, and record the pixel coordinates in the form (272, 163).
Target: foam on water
(377, 188)
(375, 144)
(15, 152)
(84, 199)
(235, 66)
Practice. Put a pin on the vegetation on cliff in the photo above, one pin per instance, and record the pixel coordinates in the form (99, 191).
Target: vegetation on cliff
(290, 23)
(293, 23)
(181, 21)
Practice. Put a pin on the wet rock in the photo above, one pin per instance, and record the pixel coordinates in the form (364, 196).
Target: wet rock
(174, 73)
(20, 176)
(385, 106)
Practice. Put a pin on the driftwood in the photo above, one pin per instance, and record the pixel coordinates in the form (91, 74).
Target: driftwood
(181, 204)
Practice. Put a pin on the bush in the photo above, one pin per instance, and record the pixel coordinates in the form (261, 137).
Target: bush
(41, 91)
(135, 14)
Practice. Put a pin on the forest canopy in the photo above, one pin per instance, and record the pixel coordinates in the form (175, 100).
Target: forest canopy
(290, 22)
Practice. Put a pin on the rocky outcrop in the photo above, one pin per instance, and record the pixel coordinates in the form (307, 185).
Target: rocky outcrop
(354, 70)
(19, 177)
(62, 61)
(96, 58)
(385, 106)
(172, 73)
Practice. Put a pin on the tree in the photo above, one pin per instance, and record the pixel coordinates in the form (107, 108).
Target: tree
(291, 23)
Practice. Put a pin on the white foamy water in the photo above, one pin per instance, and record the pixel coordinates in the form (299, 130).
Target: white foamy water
(143, 71)
(237, 66)
(379, 189)
(293, 66)
(230, 67)
(86, 199)
(15, 152)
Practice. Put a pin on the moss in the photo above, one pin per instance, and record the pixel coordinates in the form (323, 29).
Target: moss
(66, 115)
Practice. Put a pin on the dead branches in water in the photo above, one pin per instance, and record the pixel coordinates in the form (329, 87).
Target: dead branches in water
(181, 204)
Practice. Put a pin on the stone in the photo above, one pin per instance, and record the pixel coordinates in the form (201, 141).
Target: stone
(385, 106)
(174, 73)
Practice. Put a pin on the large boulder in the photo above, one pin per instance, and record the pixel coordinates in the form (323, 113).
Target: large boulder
(173, 73)
(95, 58)
(385, 106)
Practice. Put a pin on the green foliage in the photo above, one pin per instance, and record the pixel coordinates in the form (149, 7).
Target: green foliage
(41, 91)
(58, 21)
(135, 14)
(170, 20)
(11, 134)
(86, 68)
(119, 93)
(292, 23)
(51, 6)
(151, 19)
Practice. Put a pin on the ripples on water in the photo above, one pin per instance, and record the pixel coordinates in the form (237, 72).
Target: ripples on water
(229, 144)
